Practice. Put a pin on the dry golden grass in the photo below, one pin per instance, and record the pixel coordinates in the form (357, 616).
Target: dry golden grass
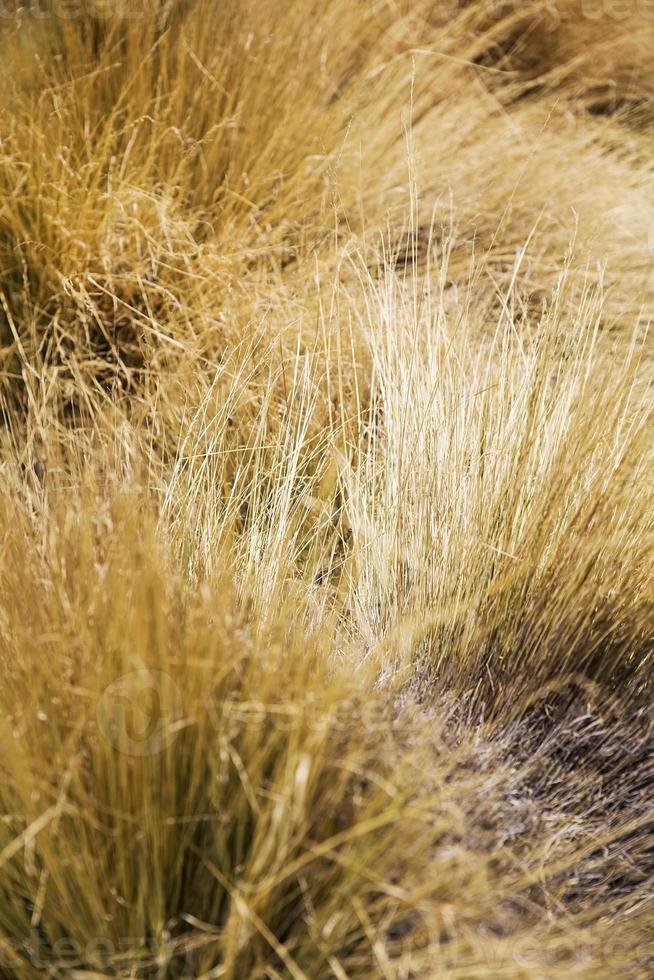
(327, 509)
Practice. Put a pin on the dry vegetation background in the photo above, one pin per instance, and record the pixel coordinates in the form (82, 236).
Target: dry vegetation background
(327, 498)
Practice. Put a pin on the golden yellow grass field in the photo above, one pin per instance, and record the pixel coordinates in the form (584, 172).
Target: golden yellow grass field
(326, 489)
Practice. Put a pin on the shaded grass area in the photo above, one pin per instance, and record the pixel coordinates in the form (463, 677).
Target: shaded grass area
(282, 815)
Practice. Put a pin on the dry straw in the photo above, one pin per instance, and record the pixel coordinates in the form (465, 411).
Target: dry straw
(327, 507)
